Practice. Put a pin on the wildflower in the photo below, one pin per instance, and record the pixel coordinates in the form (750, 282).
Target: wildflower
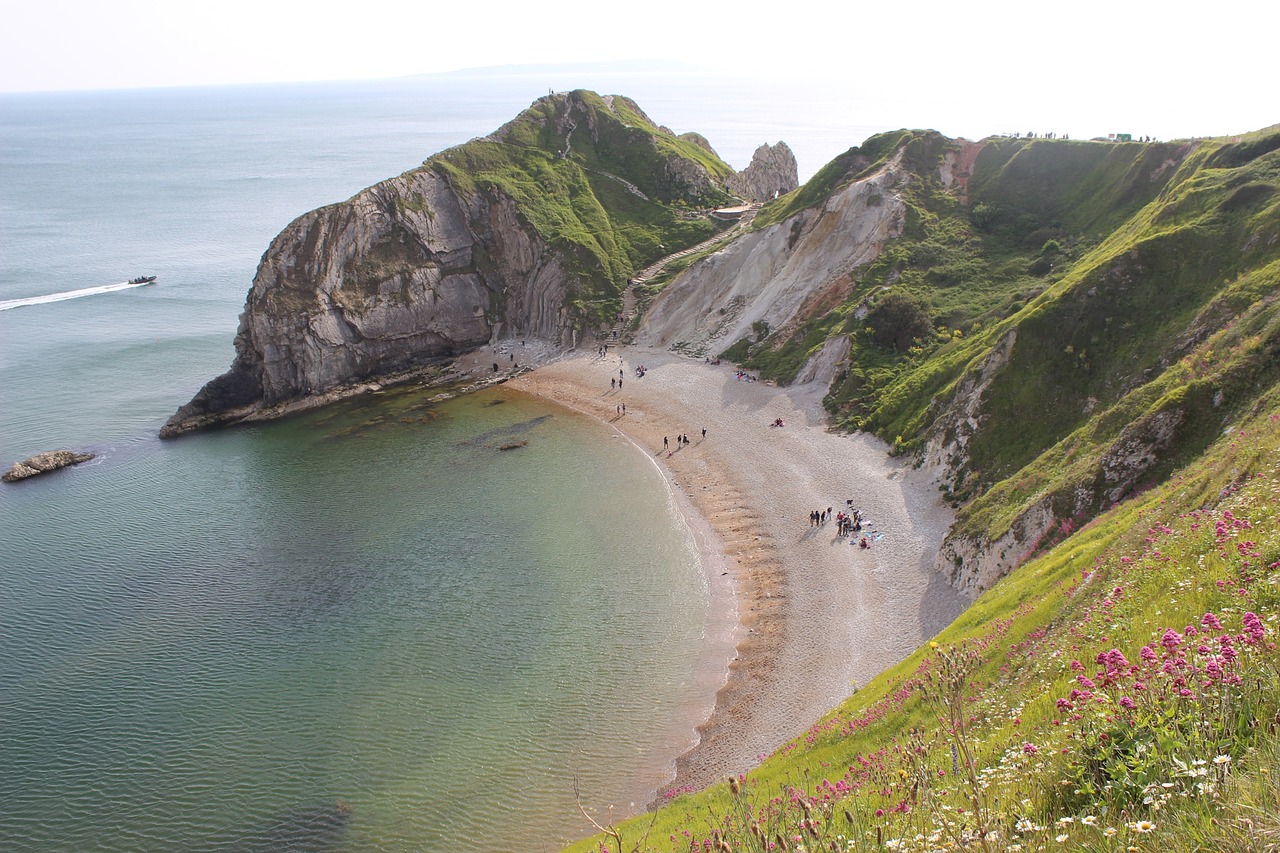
(1030, 748)
(1127, 703)
(1211, 622)
(1109, 832)
(1221, 759)
(1062, 837)
(1024, 825)
(1142, 826)
(1253, 626)
(1089, 820)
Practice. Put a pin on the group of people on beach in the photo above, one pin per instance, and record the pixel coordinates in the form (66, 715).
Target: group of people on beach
(847, 523)
(617, 383)
(682, 440)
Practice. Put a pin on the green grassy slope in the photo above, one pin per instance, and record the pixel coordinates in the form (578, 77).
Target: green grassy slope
(1087, 699)
(600, 183)
(1120, 688)
(1101, 266)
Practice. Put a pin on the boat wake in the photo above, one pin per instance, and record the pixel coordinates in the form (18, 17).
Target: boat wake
(6, 304)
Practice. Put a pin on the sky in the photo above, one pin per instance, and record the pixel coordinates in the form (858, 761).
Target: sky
(966, 68)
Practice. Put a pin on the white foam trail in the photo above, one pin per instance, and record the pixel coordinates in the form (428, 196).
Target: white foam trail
(6, 304)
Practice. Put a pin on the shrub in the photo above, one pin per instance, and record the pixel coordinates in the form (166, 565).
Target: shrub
(898, 320)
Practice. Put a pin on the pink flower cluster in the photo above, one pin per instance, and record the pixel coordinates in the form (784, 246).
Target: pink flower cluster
(1177, 665)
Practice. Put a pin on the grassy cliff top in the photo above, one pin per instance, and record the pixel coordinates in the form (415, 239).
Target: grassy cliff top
(599, 182)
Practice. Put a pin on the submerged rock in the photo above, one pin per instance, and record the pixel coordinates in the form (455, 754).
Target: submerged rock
(306, 829)
(42, 463)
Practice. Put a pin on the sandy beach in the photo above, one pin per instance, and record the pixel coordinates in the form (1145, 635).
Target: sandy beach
(815, 615)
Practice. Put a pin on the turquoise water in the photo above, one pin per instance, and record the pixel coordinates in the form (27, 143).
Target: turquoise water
(211, 643)
(374, 605)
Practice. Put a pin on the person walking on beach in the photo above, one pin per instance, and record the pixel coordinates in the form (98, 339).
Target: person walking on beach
(704, 433)
(664, 443)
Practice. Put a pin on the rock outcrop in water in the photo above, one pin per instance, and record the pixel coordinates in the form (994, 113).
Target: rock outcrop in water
(530, 232)
(43, 463)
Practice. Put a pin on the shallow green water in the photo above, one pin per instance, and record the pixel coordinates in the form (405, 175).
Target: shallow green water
(211, 642)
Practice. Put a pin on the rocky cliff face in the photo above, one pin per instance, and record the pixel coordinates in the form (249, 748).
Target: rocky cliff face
(771, 173)
(406, 273)
(773, 275)
(443, 259)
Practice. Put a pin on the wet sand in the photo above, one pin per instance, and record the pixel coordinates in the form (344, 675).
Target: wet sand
(815, 615)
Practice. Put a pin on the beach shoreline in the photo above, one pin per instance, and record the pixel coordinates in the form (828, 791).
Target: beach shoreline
(813, 616)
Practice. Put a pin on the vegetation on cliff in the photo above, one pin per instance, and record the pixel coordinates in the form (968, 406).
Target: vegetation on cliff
(1103, 286)
(1085, 334)
(600, 183)
(1120, 691)
(534, 230)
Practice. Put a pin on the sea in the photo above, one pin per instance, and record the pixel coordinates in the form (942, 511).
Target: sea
(363, 628)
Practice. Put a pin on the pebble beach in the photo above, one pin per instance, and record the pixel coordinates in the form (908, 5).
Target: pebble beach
(815, 615)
